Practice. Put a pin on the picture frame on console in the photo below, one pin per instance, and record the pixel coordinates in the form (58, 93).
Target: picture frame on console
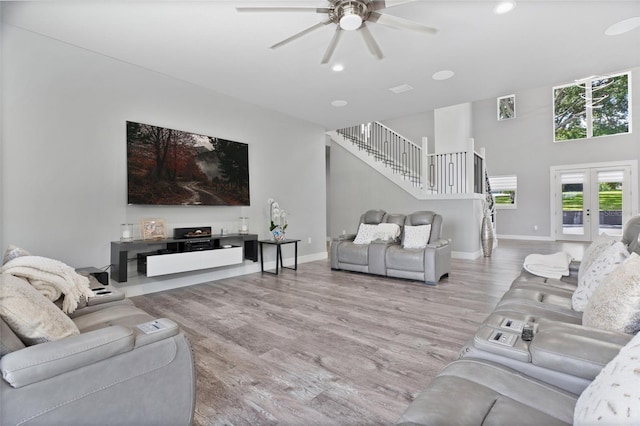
(153, 229)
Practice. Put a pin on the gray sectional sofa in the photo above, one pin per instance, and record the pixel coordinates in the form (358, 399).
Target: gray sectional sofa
(123, 367)
(390, 257)
(567, 373)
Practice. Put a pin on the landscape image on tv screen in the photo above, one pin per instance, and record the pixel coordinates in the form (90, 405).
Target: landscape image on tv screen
(172, 167)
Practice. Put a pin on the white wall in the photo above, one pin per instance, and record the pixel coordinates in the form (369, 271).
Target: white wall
(64, 163)
(453, 128)
(355, 188)
(524, 146)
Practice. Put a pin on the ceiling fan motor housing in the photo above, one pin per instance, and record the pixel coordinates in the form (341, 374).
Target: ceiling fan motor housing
(349, 14)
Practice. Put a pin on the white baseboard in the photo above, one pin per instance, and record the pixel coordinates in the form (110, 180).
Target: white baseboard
(466, 255)
(138, 285)
(525, 237)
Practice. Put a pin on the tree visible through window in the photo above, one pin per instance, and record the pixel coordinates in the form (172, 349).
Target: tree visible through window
(593, 107)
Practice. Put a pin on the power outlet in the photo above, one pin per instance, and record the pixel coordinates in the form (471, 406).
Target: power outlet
(309, 240)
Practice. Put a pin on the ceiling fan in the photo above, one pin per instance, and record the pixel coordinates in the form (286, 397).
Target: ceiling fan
(349, 15)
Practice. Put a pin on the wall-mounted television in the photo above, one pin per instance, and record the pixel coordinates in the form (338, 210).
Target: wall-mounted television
(173, 167)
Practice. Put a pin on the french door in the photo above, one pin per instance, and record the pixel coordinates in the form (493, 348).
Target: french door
(592, 200)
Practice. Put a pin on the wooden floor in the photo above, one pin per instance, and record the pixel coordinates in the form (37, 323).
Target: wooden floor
(322, 347)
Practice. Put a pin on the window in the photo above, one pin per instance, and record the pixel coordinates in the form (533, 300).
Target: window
(503, 191)
(595, 106)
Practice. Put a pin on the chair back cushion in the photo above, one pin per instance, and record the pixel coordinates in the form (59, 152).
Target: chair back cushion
(426, 218)
(631, 234)
(396, 218)
(9, 341)
(372, 217)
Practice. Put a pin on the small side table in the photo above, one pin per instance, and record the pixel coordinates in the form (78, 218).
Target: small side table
(278, 245)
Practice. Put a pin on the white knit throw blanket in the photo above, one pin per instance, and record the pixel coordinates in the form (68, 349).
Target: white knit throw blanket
(52, 278)
(554, 265)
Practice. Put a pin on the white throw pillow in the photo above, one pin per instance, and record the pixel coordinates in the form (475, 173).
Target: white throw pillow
(366, 234)
(612, 398)
(594, 250)
(33, 317)
(416, 237)
(388, 231)
(597, 271)
(615, 303)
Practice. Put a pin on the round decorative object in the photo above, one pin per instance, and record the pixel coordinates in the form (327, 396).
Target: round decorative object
(278, 234)
(486, 236)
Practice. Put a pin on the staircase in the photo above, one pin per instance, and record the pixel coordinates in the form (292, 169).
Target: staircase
(410, 166)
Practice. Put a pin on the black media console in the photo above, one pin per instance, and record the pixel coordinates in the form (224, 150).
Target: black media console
(183, 254)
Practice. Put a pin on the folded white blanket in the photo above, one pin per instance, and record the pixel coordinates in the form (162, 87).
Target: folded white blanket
(52, 278)
(548, 265)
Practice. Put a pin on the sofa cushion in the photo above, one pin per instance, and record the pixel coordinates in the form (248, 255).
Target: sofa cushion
(366, 234)
(400, 258)
(416, 237)
(596, 272)
(356, 254)
(592, 252)
(9, 341)
(612, 398)
(615, 303)
(30, 315)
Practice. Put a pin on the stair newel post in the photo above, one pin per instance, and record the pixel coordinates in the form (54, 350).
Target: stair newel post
(469, 175)
(424, 161)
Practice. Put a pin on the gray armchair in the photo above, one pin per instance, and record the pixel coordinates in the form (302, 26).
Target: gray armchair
(427, 264)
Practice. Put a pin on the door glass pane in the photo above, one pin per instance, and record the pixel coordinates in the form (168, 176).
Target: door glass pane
(572, 203)
(610, 202)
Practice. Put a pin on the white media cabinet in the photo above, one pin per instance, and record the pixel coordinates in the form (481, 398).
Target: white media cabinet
(183, 254)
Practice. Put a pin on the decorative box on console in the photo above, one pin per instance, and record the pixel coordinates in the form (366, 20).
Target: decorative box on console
(203, 231)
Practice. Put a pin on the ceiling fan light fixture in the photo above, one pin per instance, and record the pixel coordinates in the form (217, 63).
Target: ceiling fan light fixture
(504, 7)
(350, 14)
(350, 22)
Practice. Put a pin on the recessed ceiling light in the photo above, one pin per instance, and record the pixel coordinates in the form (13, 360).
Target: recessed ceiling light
(339, 103)
(401, 88)
(623, 26)
(443, 75)
(504, 7)
(337, 67)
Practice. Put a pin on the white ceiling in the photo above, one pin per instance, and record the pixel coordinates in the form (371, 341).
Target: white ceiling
(210, 44)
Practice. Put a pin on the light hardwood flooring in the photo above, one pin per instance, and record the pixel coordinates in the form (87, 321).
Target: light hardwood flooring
(323, 347)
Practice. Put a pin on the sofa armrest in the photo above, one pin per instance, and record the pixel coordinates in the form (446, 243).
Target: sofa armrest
(46, 360)
(438, 243)
(579, 355)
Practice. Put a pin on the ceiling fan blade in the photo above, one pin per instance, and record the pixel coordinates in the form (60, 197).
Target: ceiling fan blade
(300, 34)
(400, 23)
(370, 41)
(383, 4)
(332, 45)
(283, 9)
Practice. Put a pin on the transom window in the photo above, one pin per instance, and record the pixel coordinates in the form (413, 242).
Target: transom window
(592, 107)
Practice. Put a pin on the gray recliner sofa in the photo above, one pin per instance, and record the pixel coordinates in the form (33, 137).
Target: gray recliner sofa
(501, 378)
(390, 258)
(113, 372)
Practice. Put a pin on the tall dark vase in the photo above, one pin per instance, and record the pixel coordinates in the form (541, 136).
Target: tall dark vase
(486, 236)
